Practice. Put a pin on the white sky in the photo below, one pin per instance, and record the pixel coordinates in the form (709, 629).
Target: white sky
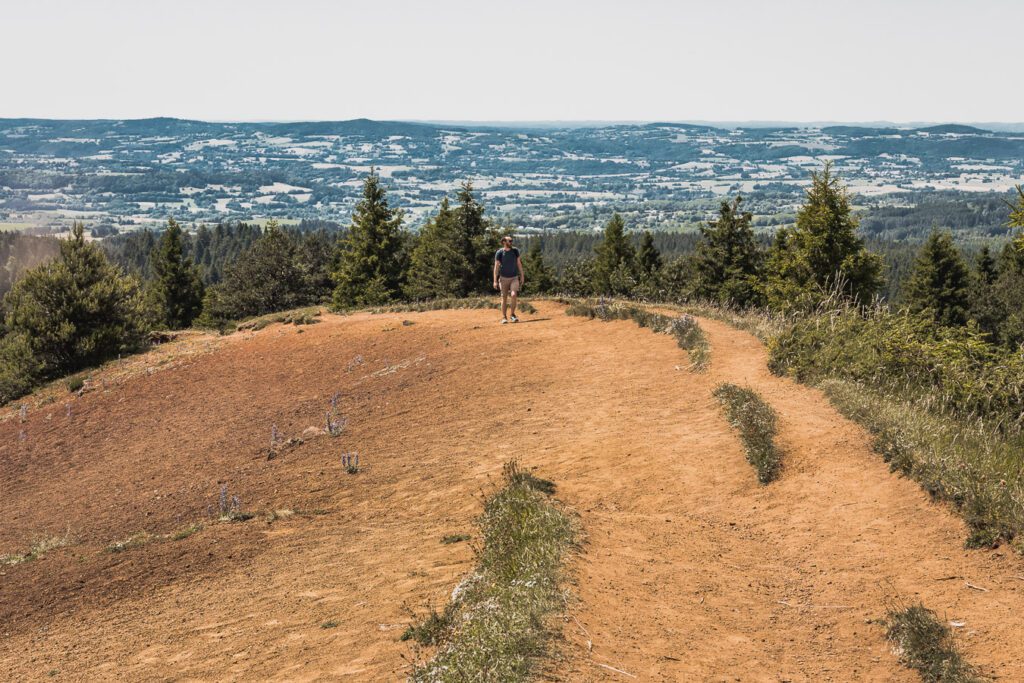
(517, 60)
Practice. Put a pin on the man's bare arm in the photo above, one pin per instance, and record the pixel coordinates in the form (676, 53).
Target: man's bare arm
(522, 273)
(497, 265)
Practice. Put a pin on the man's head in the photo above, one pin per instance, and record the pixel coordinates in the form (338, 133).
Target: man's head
(506, 241)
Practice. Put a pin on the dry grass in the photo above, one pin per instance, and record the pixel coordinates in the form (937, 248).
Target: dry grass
(39, 547)
(300, 316)
(449, 304)
(497, 625)
(755, 420)
(924, 643)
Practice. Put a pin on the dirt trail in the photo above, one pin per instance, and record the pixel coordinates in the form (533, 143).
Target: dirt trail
(695, 572)
(691, 572)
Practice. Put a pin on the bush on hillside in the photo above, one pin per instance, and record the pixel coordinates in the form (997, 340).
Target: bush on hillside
(75, 311)
(907, 354)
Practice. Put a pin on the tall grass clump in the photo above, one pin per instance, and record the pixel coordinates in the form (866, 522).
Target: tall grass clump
(685, 329)
(924, 643)
(497, 625)
(755, 420)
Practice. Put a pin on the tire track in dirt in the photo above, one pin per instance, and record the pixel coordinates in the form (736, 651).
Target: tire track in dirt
(686, 569)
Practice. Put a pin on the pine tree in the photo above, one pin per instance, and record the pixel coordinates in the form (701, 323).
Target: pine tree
(176, 292)
(542, 278)
(940, 282)
(372, 267)
(648, 259)
(477, 242)
(615, 262)
(985, 309)
(728, 260)
(264, 279)
(1008, 293)
(438, 266)
(821, 254)
(985, 266)
(77, 310)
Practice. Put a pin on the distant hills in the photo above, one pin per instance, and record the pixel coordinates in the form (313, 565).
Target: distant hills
(668, 175)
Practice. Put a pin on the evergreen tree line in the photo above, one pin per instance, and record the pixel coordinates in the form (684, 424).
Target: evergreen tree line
(81, 308)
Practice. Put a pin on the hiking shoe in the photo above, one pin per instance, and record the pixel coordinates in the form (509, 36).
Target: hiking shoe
(514, 319)
(504, 321)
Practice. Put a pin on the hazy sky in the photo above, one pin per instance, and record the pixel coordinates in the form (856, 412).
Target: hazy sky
(798, 60)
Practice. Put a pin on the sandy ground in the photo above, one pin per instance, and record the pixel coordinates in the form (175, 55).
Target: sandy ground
(690, 569)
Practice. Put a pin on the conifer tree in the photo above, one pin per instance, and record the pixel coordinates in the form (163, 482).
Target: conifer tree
(821, 254)
(940, 282)
(176, 292)
(615, 262)
(75, 311)
(439, 267)
(477, 242)
(372, 266)
(542, 278)
(648, 259)
(728, 260)
(984, 307)
(264, 279)
(1008, 293)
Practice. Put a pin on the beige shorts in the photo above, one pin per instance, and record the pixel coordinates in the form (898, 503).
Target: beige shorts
(509, 284)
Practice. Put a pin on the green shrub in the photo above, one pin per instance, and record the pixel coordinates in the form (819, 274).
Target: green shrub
(956, 368)
(19, 369)
(755, 420)
(75, 311)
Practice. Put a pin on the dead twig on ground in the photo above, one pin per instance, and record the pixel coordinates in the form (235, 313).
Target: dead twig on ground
(612, 668)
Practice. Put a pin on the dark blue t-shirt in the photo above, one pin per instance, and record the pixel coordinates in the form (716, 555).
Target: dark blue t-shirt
(509, 261)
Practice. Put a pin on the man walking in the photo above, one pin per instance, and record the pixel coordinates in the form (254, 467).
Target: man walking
(508, 276)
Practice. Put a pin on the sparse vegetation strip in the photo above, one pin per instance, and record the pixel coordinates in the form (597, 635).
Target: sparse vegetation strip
(496, 627)
(684, 328)
(449, 303)
(39, 548)
(756, 422)
(925, 643)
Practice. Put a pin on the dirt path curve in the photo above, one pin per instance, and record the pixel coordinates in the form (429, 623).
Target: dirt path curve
(695, 572)
(692, 571)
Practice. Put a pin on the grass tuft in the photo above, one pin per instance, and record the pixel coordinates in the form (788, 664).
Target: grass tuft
(301, 316)
(455, 538)
(448, 303)
(134, 541)
(924, 643)
(755, 420)
(496, 627)
(186, 531)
